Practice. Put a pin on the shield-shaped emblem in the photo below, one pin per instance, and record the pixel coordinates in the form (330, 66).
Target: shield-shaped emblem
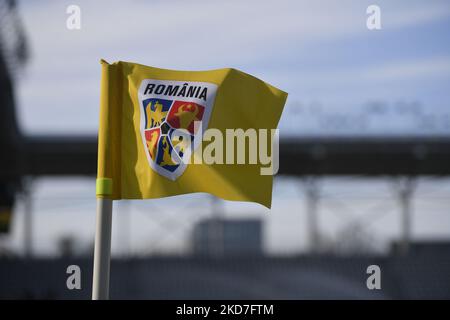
(169, 112)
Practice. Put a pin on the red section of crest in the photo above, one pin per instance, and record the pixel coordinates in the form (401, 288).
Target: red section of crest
(151, 137)
(184, 114)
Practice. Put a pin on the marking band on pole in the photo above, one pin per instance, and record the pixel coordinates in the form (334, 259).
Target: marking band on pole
(103, 187)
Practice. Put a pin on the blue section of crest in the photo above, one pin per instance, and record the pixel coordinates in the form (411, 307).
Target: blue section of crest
(166, 104)
(164, 158)
(186, 135)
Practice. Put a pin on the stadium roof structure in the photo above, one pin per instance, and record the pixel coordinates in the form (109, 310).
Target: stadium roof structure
(77, 155)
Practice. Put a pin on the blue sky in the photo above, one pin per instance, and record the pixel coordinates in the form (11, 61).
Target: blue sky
(317, 51)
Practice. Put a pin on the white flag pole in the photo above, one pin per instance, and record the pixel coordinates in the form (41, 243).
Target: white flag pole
(102, 251)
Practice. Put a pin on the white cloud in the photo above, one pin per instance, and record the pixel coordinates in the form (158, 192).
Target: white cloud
(199, 33)
(434, 67)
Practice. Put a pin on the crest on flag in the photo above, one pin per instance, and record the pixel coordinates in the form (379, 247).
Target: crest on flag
(169, 110)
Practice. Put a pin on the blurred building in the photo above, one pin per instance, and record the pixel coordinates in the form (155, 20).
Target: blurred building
(215, 237)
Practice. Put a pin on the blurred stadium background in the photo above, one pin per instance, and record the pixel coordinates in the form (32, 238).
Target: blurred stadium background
(364, 155)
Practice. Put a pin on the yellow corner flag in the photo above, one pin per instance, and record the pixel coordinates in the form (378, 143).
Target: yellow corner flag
(165, 132)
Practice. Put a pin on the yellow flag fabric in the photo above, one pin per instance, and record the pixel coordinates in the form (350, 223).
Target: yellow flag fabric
(141, 106)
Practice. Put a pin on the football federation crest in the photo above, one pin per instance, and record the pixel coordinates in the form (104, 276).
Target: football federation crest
(169, 110)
